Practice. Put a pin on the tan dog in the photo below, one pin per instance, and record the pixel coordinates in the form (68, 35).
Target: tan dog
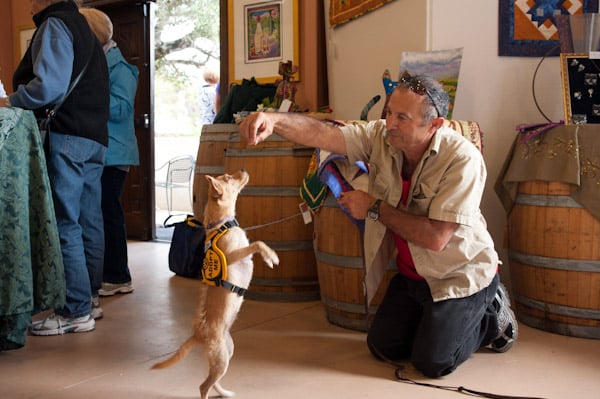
(219, 305)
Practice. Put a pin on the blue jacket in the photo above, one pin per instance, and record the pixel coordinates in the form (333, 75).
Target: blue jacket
(122, 143)
(59, 49)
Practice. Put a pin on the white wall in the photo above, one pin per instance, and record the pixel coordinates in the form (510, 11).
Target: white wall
(359, 51)
(494, 91)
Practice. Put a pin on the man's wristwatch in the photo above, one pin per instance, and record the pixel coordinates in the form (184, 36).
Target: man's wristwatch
(373, 212)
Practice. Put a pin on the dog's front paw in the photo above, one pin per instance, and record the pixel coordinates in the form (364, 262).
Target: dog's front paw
(269, 256)
(272, 259)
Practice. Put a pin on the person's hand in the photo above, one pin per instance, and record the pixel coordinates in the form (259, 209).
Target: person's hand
(4, 102)
(356, 202)
(256, 127)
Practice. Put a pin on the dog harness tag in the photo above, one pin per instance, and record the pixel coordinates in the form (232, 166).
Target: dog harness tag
(214, 267)
(305, 210)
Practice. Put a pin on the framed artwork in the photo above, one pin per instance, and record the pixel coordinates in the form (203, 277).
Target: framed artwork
(529, 29)
(24, 37)
(261, 35)
(581, 87)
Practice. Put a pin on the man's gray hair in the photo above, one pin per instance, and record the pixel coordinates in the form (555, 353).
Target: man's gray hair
(436, 102)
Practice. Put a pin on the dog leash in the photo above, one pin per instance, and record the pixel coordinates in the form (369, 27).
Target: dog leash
(259, 226)
(461, 389)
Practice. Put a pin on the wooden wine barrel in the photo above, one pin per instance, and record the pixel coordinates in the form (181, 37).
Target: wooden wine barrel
(340, 266)
(210, 161)
(554, 253)
(271, 199)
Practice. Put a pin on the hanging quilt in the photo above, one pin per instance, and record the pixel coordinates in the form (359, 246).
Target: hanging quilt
(528, 28)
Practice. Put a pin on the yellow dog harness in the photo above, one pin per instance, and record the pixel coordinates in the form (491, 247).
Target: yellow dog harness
(214, 267)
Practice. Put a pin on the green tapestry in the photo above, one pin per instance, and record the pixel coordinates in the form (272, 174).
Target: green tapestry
(31, 272)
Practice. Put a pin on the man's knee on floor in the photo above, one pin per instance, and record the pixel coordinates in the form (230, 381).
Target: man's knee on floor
(384, 350)
(433, 368)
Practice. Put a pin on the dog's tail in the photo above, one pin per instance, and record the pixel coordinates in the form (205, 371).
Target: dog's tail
(179, 355)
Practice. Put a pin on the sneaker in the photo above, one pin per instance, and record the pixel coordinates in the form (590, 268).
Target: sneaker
(97, 312)
(57, 324)
(508, 330)
(109, 289)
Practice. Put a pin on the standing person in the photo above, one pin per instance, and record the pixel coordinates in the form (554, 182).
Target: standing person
(208, 95)
(122, 153)
(423, 211)
(61, 47)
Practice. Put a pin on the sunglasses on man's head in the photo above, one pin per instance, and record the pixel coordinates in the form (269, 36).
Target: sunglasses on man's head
(417, 87)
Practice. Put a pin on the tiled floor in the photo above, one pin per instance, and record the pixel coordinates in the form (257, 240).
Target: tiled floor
(283, 350)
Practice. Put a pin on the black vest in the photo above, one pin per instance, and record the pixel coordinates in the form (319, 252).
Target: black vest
(85, 112)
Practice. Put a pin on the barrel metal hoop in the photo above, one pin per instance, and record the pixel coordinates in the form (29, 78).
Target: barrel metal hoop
(347, 307)
(209, 170)
(220, 128)
(283, 282)
(331, 202)
(560, 328)
(297, 245)
(350, 262)
(271, 191)
(561, 310)
(213, 137)
(346, 322)
(554, 201)
(269, 152)
(283, 296)
(576, 265)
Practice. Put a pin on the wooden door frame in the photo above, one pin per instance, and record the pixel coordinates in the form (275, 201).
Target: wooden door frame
(139, 196)
(224, 48)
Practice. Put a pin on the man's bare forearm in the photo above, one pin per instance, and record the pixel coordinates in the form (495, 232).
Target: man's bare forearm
(300, 129)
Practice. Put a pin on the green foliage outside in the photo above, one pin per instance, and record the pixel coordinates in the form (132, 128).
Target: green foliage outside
(186, 40)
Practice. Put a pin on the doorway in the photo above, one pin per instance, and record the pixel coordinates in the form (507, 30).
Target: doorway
(188, 52)
(164, 122)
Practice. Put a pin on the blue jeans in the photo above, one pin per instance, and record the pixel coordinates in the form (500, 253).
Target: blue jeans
(116, 270)
(74, 167)
(436, 336)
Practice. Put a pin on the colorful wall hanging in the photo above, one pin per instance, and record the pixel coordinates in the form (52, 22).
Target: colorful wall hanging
(527, 27)
(342, 11)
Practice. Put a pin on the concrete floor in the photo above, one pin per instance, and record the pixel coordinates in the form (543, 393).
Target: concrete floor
(283, 350)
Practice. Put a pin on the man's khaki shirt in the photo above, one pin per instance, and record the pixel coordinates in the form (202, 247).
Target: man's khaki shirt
(447, 185)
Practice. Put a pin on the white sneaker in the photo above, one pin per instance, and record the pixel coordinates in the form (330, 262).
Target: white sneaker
(508, 329)
(57, 324)
(97, 312)
(109, 289)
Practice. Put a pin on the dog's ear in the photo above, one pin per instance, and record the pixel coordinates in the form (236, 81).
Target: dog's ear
(216, 185)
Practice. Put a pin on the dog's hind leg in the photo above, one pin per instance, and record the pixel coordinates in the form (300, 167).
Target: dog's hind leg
(218, 355)
(225, 393)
